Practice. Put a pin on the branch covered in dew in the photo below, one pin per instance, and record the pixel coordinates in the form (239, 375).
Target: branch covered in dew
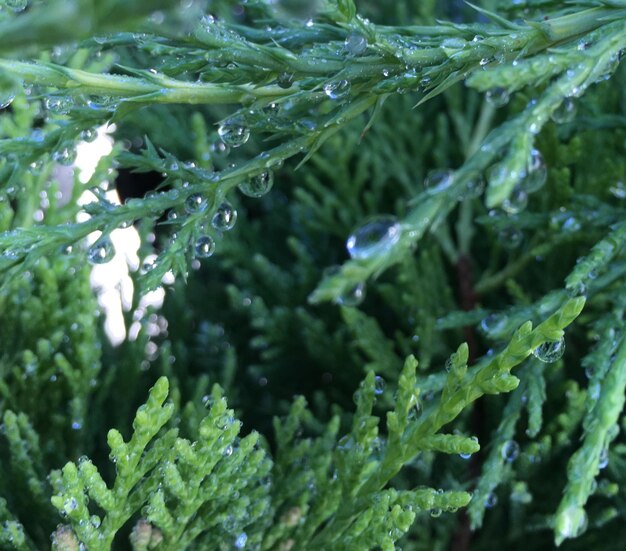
(299, 84)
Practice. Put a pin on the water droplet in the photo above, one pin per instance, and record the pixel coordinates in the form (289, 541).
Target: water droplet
(511, 238)
(510, 450)
(205, 246)
(491, 500)
(536, 173)
(374, 237)
(6, 99)
(95, 521)
(571, 224)
(16, 6)
(337, 89)
(352, 297)
(498, 97)
(516, 202)
(438, 180)
(435, 513)
(101, 252)
(498, 175)
(453, 43)
(551, 351)
(233, 133)
(355, 44)
(70, 505)
(572, 522)
(565, 112)
(493, 323)
(284, 80)
(225, 217)
(241, 540)
(65, 156)
(89, 135)
(195, 203)
(379, 385)
(228, 451)
(468, 455)
(576, 290)
(224, 421)
(258, 185)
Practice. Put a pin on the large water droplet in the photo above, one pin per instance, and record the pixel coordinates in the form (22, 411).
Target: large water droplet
(195, 203)
(498, 97)
(549, 352)
(233, 133)
(374, 237)
(565, 112)
(355, 44)
(205, 246)
(102, 251)
(258, 185)
(510, 450)
(337, 89)
(60, 105)
(225, 217)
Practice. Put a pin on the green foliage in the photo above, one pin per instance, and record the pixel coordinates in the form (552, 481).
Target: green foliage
(276, 134)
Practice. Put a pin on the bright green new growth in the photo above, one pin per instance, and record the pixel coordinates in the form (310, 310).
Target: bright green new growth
(190, 491)
(279, 133)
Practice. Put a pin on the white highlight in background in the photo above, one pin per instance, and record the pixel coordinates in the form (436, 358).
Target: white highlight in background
(111, 281)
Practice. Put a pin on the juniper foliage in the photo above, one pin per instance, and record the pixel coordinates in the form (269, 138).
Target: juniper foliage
(470, 157)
